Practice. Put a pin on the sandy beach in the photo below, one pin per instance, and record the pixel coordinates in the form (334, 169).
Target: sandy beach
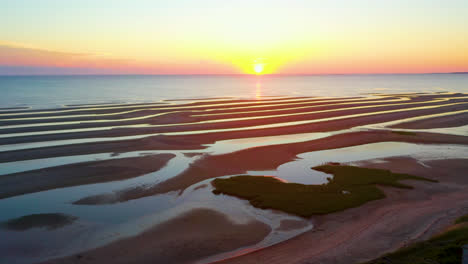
(136, 178)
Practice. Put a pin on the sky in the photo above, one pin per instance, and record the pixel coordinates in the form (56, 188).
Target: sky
(233, 37)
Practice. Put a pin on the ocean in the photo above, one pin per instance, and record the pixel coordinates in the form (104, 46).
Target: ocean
(57, 91)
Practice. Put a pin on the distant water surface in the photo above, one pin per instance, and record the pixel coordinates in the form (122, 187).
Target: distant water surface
(56, 91)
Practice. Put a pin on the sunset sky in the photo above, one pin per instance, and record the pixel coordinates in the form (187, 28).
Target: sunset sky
(231, 37)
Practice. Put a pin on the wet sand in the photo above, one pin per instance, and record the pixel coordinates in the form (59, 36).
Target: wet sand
(184, 123)
(195, 141)
(48, 221)
(184, 239)
(264, 158)
(379, 227)
(186, 128)
(437, 122)
(79, 174)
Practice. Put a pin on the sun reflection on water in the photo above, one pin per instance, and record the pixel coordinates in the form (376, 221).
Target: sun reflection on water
(258, 92)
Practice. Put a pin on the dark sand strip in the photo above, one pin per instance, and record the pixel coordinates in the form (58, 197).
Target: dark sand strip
(49, 221)
(436, 122)
(13, 108)
(148, 143)
(84, 106)
(79, 174)
(198, 99)
(79, 123)
(192, 236)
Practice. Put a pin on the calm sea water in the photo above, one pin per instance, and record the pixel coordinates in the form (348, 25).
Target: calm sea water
(56, 91)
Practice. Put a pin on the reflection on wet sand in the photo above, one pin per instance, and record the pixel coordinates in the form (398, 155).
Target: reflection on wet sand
(133, 174)
(191, 236)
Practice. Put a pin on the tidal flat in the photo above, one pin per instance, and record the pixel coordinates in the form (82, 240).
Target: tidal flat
(350, 178)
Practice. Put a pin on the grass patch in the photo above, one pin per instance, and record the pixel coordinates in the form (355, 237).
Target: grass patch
(462, 219)
(405, 133)
(442, 249)
(49, 221)
(350, 187)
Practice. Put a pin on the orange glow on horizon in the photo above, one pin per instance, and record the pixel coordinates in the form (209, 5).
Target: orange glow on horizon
(334, 55)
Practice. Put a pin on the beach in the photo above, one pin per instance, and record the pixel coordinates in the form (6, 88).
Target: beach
(137, 178)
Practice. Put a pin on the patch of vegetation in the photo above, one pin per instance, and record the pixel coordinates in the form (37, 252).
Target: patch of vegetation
(405, 133)
(442, 249)
(49, 221)
(350, 187)
(462, 219)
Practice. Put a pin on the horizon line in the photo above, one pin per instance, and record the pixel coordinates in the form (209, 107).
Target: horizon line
(222, 74)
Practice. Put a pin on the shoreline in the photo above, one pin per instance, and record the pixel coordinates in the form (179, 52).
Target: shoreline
(113, 179)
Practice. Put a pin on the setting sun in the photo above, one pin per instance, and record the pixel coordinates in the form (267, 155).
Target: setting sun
(258, 68)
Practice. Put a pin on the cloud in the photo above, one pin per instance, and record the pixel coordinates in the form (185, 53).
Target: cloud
(44, 70)
(11, 55)
(15, 59)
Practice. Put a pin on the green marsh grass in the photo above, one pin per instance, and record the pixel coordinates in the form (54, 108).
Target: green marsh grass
(350, 187)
